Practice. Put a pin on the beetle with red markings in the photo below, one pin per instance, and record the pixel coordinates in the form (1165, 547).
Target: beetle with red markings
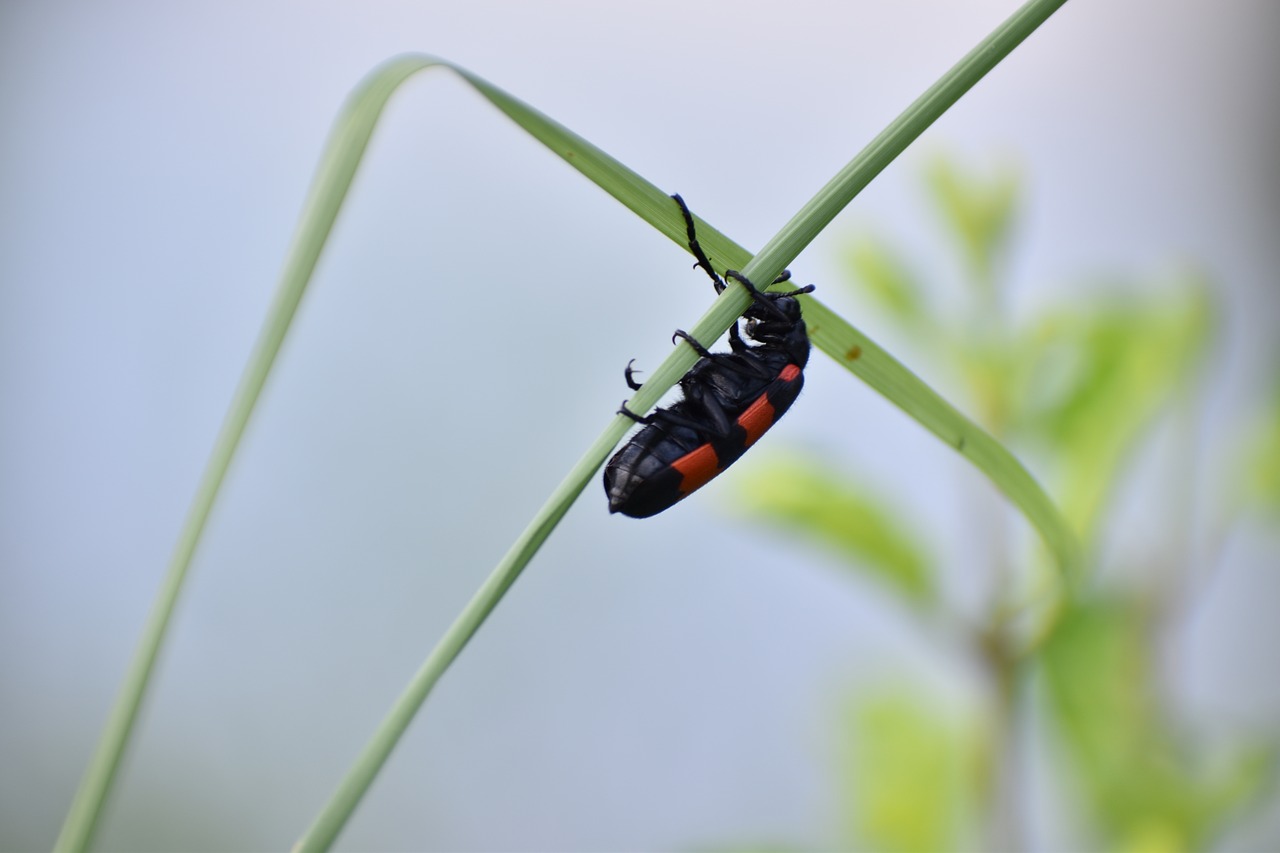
(730, 400)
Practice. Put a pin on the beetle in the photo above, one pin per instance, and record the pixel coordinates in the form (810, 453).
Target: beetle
(730, 400)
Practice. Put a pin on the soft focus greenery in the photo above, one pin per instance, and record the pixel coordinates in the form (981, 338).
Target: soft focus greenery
(1259, 464)
(1078, 386)
(920, 765)
(804, 496)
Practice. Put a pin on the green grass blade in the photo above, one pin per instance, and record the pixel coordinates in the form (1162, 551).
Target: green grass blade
(329, 188)
(881, 371)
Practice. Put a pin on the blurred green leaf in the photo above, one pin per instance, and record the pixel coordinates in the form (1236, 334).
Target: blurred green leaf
(1144, 787)
(1093, 377)
(914, 770)
(989, 370)
(885, 277)
(980, 212)
(1260, 460)
(1097, 671)
(810, 497)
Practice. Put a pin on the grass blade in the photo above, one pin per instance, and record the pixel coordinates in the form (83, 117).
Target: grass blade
(329, 188)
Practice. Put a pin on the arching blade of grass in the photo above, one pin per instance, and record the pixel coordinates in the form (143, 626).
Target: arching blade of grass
(328, 189)
(337, 169)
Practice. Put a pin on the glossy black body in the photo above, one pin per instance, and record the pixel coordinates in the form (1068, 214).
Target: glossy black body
(729, 400)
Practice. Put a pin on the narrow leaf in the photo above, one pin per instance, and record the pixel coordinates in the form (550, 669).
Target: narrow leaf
(886, 278)
(806, 496)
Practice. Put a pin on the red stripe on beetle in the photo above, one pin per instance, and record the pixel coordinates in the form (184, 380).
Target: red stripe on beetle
(758, 417)
(697, 467)
(761, 414)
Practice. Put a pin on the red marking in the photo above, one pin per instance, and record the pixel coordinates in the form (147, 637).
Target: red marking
(758, 417)
(697, 467)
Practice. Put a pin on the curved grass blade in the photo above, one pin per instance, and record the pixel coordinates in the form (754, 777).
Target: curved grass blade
(328, 190)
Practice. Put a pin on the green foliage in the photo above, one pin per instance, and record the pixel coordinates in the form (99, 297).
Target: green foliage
(978, 213)
(1259, 480)
(818, 503)
(1090, 377)
(887, 279)
(1139, 773)
(912, 770)
(1081, 384)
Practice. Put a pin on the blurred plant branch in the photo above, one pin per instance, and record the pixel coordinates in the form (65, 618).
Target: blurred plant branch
(1079, 387)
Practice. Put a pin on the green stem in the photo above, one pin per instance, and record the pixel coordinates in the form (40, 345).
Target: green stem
(924, 111)
(333, 817)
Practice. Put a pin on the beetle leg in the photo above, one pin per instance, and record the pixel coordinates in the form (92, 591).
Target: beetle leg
(717, 421)
(691, 341)
(666, 417)
(755, 292)
(640, 419)
(808, 288)
(763, 298)
(695, 247)
(748, 366)
(627, 373)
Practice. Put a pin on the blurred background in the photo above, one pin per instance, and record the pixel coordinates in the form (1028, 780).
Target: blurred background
(703, 679)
